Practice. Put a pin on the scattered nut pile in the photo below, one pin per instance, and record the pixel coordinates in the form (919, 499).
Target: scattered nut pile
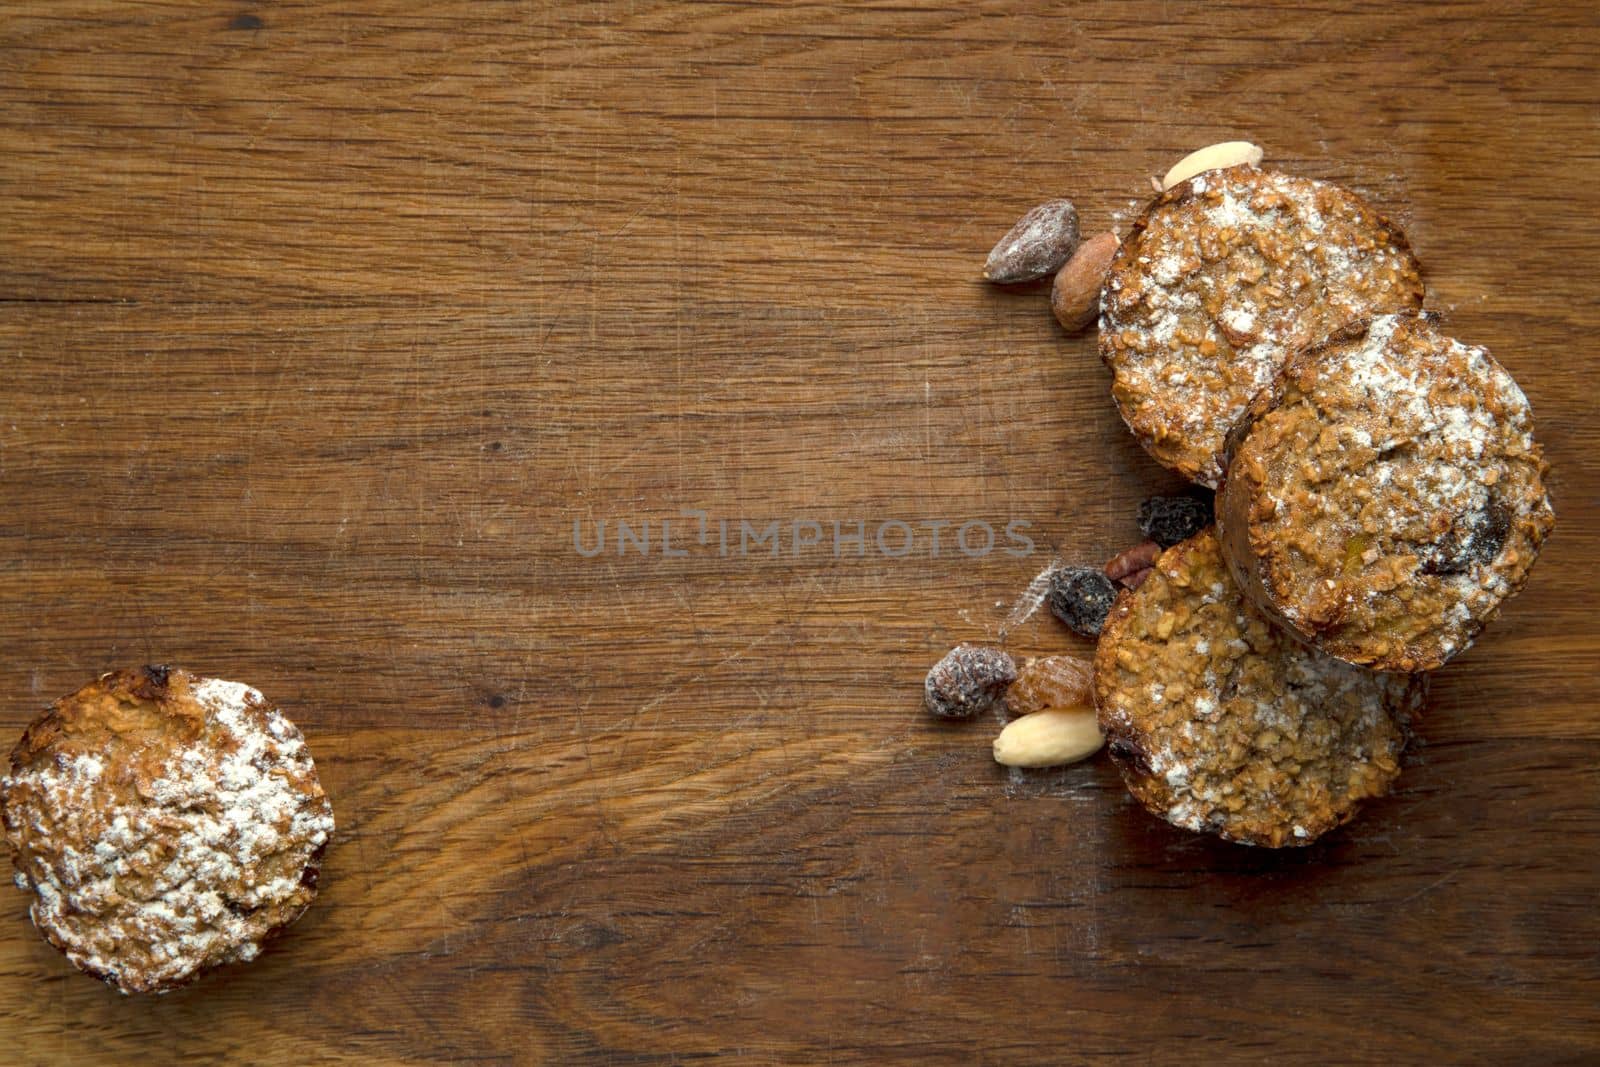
(1050, 697)
(1303, 730)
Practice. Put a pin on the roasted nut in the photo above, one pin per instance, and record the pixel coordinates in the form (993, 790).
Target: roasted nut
(1075, 296)
(1050, 682)
(1049, 738)
(1041, 241)
(1212, 157)
(969, 679)
(1137, 578)
(1134, 561)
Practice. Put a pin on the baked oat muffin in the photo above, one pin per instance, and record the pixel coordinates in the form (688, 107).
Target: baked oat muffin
(1221, 722)
(1223, 277)
(1386, 495)
(165, 824)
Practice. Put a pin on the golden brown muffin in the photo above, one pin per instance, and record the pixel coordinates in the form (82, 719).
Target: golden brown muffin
(1386, 496)
(1221, 722)
(1223, 277)
(165, 824)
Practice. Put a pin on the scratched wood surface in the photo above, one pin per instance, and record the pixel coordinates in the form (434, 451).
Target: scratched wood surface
(321, 325)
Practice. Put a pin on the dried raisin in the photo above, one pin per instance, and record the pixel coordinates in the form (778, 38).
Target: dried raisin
(1474, 541)
(1082, 597)
(1050, 682)
(1167, 520)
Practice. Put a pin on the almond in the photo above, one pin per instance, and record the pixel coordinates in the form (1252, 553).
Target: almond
(969, 679)
(1049, 738)
(1212, 157)
(1041, 241)
(1075, 297)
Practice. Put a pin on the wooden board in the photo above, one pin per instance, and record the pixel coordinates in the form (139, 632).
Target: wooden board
(322, 324)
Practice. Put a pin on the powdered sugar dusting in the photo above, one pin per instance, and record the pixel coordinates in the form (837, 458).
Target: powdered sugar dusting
(1312, 684)
(220, 695)
(1434, 404)
(1031, 598)
(1255, 727)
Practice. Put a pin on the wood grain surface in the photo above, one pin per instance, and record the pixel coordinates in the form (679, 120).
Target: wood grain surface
(321, 324)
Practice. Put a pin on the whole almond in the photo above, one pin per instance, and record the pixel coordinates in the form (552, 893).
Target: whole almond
(1049, 738)
(1041, 241)
(1050, 682)
(969, 679)
(1075, 297)
(1212, 157)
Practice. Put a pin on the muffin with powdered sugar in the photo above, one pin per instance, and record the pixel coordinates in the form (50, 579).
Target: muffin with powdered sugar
(1220, 280)
(165, 824)
(1223, 723)
(1386, 495)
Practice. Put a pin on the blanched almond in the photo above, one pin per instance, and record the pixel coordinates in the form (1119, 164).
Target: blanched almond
(1212, 157)
(1049, 738)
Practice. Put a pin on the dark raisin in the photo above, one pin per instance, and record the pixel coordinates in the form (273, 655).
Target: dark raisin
(1130, 755)
(1166, 520)
(153, 684)
(1474, 540)
(968, 680)
(1082, 597)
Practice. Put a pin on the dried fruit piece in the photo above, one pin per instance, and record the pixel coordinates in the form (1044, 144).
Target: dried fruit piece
(1037, 245)
(1474, 540)
(1081, 597)
(1127, 568)
(1049, 738)
(1050, 682)
(1075, 296)
(1166, 520)
(968, 680)
(1212, 157)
